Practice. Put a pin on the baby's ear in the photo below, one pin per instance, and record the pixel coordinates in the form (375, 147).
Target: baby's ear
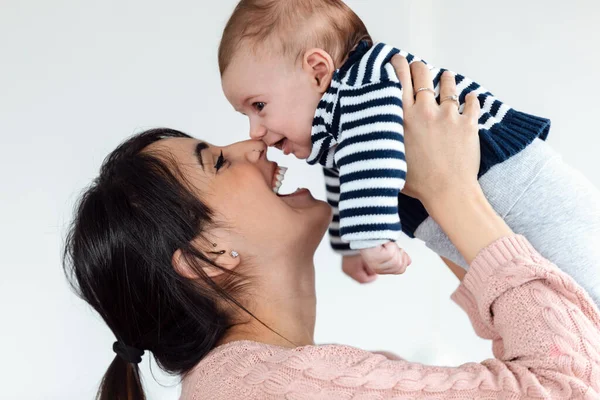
(319, 64)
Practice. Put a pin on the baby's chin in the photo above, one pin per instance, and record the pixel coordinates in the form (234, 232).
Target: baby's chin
(301, 153)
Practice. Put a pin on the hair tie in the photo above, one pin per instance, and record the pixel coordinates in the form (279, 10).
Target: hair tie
(130, 354)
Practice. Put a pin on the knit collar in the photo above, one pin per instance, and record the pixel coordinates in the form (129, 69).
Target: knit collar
(325, 129)
(355, 56)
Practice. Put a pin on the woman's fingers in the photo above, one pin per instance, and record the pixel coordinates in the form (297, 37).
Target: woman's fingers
(447, 91)
(472, 107)
(422, 79)
(403, 73)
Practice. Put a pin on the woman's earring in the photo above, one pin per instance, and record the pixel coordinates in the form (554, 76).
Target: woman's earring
(234, 254)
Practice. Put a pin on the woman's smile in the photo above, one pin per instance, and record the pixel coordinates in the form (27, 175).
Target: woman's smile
(297, 199)
(278, 176)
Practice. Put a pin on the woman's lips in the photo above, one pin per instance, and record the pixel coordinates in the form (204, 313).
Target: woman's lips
(301, 198)
(298, 192)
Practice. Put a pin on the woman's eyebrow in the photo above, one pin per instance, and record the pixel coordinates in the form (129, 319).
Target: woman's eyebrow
(199, 147)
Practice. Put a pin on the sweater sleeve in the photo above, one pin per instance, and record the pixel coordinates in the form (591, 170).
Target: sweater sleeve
(332, 190)
(371, 163)
(545, 331)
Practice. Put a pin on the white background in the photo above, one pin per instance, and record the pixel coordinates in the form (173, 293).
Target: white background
(77, 77)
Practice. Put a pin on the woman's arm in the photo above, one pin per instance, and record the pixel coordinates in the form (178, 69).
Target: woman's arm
(469, 221)
(512, 294)
(457, 270)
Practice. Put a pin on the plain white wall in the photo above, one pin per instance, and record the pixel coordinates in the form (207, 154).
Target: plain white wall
(77, 77)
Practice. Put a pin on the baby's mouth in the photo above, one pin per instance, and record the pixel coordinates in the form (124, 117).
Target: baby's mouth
(279, 144)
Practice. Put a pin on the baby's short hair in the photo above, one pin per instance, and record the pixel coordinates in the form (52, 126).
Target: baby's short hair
(290, 27)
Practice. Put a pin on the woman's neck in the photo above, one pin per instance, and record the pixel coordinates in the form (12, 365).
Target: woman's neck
(285, 302)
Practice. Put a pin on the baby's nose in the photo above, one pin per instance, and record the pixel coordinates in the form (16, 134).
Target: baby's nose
(257, 132)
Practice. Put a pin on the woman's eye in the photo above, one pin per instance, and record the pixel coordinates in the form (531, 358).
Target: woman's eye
(220, 162)
(259, 105)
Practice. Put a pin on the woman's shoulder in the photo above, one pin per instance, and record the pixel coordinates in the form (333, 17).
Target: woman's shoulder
(248, 370)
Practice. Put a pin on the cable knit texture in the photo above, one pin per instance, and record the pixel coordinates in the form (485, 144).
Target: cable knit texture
(544, 327)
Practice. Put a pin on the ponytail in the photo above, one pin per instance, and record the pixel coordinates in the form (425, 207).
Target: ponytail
(121, 382)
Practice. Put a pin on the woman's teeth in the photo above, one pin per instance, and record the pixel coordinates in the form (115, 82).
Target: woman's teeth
(279, 175)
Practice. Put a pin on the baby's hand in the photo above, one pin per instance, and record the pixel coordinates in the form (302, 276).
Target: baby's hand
(357, 269)
(387, 259)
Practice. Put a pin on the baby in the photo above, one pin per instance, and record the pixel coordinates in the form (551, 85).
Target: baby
(313, 84)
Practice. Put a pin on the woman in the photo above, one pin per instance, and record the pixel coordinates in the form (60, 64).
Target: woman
(185, 251)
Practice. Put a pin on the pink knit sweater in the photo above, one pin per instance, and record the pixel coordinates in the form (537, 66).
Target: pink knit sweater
(545, 331)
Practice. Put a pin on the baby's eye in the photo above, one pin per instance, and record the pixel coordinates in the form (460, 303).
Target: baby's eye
(220, 162)
(259, 105)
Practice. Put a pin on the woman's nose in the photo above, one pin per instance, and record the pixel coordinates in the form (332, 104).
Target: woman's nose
(256, 151)
(248, 150)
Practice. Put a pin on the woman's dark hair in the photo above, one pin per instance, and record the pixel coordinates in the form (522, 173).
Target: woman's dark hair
(118, 258)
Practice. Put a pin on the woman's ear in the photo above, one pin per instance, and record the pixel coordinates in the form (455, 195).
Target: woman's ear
(320, 66)
(181, 265)
(226, 259)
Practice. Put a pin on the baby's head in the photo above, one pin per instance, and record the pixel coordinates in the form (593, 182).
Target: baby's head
(277, 58)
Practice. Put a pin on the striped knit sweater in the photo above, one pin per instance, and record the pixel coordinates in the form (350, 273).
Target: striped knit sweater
(358, 137)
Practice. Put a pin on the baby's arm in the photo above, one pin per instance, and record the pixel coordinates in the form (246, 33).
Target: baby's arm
(353, 264)
(390, 260)
(332, 190)
(371, 161)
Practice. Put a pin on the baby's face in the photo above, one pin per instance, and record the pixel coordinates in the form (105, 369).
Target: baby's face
(278, 97)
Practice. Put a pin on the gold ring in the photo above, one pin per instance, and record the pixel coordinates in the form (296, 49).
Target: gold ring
(454, 98)
(423, 89)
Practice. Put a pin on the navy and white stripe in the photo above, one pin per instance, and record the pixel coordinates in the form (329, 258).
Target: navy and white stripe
(358, 135)
(358, 138)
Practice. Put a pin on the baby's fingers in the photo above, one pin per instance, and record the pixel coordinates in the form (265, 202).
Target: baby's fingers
(403, 262)
(354, 267)
(394, 262)
(401, 257)
(362, 275)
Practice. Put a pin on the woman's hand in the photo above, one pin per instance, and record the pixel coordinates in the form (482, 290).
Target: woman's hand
(442, 153)
(442, 145)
